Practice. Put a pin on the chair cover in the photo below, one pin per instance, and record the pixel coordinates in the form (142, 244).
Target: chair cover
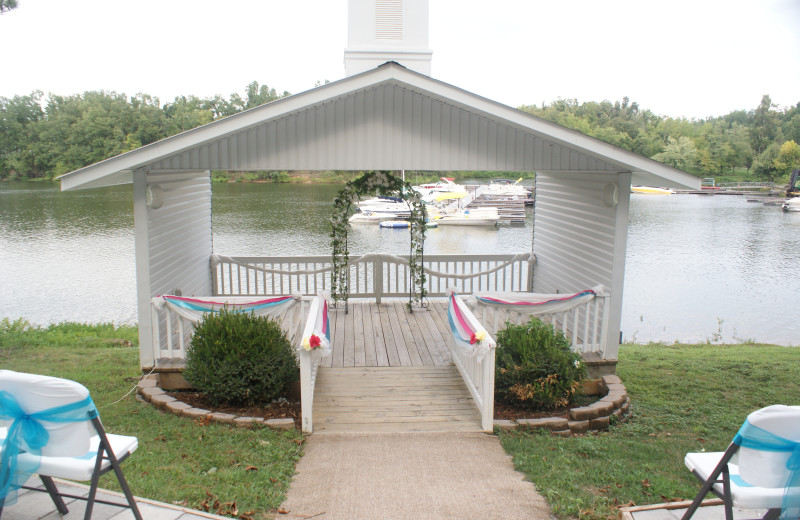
(768, 468)
(40, 415)
(35, 393)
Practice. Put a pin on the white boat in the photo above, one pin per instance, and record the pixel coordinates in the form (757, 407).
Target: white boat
(507, 188)
(651, 190)
(467, 217)
(792, 204)
(370, 218)
(386, 208)
(442, 190)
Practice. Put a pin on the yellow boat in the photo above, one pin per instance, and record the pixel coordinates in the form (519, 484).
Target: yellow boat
(651, 190)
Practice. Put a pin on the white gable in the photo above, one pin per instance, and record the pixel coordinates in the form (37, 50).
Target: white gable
(388, 118)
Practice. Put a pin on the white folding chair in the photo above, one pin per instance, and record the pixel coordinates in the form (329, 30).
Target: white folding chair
(76, 447)
(759, 470)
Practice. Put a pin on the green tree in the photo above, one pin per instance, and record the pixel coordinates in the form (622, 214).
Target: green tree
(790, 124)
(680, 153)
(186, 113)
(788, 158)
(259, 95)
(764, 165)
(18, 135)
(7, 5)
(765, 128)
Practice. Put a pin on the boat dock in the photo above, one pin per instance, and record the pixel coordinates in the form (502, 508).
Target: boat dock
(510, 209)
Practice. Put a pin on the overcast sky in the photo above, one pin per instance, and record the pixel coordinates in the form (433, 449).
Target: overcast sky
(692, 58)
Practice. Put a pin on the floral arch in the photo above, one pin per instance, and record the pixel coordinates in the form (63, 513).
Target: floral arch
(373, 183)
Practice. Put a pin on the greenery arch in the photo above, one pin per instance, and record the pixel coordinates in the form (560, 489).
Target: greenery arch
(384, 184)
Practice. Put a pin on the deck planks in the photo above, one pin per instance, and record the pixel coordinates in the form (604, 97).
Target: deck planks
(381, 356)
(383, 334)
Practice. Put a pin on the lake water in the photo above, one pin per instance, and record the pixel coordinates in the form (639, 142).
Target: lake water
(699, 268)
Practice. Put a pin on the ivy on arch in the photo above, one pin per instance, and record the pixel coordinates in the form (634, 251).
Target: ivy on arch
(384, 184)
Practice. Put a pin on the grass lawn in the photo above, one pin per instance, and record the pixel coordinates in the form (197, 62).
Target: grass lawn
(179, 461)
(684, 398)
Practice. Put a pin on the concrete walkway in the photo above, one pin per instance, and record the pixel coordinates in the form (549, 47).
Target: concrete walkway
(33, 505)
(410, 476)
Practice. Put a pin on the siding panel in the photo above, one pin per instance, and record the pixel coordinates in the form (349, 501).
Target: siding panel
(384, 127)
(573, 233)
(180, 235)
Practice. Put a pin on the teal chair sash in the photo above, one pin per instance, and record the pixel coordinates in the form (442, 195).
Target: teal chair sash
(756, 438)
(27, 435)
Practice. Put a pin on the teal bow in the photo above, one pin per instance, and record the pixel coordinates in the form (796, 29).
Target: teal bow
(756, 438)
(27, 435)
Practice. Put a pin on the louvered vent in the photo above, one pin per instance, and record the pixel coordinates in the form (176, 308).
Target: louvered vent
(389, 19)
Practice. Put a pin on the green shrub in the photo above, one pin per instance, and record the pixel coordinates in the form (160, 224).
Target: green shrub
(239, 358)
(535, 368)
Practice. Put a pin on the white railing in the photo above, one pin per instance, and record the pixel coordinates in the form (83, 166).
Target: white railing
(476, 370)
(585, 325)
(371, 275)
(309, 363)
(172, 332)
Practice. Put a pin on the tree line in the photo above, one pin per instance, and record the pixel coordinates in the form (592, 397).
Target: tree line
(761, 143)
(43, 137)
(46, 136)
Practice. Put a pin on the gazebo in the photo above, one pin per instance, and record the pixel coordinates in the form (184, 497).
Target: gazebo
(387, 118)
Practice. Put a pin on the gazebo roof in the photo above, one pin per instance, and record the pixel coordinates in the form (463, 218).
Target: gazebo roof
(388, 118)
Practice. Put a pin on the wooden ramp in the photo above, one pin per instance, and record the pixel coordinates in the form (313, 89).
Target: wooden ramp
(393, 400)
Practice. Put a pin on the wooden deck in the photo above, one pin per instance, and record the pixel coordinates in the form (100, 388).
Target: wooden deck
(387, 335)
(376, 335)
(390, 371)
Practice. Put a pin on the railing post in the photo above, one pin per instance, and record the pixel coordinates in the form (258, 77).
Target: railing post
(307, 369)
(168, 319)
(530, 275)
(487, 414)
(377, 278)
(306, 394)
(604, 333)
(213, 264)
(156, 332)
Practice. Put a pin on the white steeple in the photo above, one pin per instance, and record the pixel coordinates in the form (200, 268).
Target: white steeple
(387, 30)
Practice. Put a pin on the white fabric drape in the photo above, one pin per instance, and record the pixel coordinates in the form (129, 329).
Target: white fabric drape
(193, 309)
(534, 304)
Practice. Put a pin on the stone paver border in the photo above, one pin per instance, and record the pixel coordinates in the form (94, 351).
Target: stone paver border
(149, 390)
(597, 416)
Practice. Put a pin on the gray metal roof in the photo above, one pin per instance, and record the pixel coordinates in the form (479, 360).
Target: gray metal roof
(388, 118)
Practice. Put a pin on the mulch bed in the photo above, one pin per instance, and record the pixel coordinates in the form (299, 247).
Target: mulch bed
(277, 410)
(507, 412)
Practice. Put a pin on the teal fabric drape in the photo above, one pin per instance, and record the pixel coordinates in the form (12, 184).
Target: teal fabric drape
(756, 438)
(27, 435)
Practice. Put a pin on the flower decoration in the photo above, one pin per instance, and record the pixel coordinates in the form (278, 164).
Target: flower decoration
(311, 342)
(478, 337)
